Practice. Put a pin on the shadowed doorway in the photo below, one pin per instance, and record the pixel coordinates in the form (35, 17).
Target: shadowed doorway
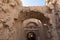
(31, 36)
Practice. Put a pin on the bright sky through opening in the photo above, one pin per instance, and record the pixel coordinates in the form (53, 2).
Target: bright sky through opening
(33, 2)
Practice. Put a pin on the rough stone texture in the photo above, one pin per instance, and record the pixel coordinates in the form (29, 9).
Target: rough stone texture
(36, 13)
(12, 16)
(9, 10)
(55, 17)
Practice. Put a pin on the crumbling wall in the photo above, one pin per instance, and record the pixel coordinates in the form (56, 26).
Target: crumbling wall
(9, 10)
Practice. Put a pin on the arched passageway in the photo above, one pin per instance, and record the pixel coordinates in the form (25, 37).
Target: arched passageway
(34, 14)
(33, 21)
(33, 29)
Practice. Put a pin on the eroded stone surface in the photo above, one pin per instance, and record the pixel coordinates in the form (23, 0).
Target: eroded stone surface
(9, 9)
(10, 29)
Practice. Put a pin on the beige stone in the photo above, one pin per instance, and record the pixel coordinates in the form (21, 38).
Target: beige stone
(14, 18)
(9, 9)
(51, 3)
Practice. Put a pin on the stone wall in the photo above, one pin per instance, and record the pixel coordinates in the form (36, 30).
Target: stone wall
(9, 11)
(12, 15)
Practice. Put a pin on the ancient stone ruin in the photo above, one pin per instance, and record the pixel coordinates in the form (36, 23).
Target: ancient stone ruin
(22, 23)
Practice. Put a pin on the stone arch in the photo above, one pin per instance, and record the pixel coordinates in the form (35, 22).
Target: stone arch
(27, 14)
(37, 17)
(35, 26)
(32, 20)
